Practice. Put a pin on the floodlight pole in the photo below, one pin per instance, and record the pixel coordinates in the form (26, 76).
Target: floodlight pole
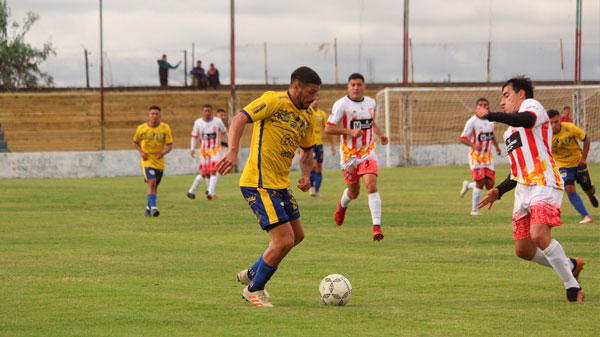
(232, 48)
(578, 43)
(405, 61)
(101, 81)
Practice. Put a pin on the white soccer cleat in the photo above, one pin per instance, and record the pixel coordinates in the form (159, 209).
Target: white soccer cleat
(587, 219)
(475, 213)
(464, 189)
(259, 298)
(312, 192)
(243, 277)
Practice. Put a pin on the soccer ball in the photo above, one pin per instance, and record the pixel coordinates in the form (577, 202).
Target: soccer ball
(335, 289)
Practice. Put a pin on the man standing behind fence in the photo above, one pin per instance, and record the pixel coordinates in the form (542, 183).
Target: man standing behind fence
(163, 70)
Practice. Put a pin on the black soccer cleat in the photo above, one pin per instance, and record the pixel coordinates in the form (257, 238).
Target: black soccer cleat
(575, 294)
(191, 195)
(593, 200)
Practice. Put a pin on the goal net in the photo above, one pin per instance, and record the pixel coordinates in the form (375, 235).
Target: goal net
(415, 119)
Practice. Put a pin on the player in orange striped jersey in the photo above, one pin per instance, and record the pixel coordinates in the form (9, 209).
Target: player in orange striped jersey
(352, 117)
(534, 173)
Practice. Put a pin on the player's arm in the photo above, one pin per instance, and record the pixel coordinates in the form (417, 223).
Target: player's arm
(524, 119)
(332, 129)
(497, 192)
(138, 147)
(495, 143)
(305, 163)
(193, 142)
(331, 143)
(166, 150)
(384, 138)
(238, 123)
(470, 144)
(585, 151)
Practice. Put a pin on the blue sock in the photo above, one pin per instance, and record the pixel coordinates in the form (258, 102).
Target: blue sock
(312, 178)
(152, 200)
(263, 275)
(318, 179)
(578, 203)
(252, 270)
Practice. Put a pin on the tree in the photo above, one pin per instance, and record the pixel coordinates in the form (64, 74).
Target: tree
(19, 61)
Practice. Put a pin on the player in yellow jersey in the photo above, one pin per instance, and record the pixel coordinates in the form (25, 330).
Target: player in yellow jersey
(319, 121)
(153, 140)
(571, 160)
(282, 122)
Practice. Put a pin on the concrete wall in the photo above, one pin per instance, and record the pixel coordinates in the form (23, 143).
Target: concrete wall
(127, 163)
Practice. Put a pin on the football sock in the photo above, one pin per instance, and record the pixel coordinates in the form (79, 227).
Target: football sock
(575, 199)
(476, 198)
(375, 207)
(312, 178)
(212, 185)
(345, 199)
(152, 200)
(561, 264)
(318, 179)
(262, 276)
(471, 185)
(218, 176)
(540, 258)
(252, 270)
(207, 180)
(196, 183)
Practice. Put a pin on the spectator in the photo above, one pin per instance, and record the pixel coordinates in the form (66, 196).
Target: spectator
(566, 115)
(213, 76)
(163, 70)
(199, 75)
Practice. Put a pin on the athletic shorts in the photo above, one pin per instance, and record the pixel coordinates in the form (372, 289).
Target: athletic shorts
(535, 204)
(271, 207)
(152, 173)
(208, 164)
(358, 168)
(318, 151)
(579, 174)
(482, 173)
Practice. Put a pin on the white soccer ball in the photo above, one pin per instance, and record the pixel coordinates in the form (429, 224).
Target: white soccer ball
(335, 289)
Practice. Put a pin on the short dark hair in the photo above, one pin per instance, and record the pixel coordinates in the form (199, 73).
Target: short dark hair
(519, 83)
(154, 107)
(552, 113)
(219, 110)
(567, 107)
(305, 75)
(482, 99)
(356, 76)
(164, 55)
(207, 106)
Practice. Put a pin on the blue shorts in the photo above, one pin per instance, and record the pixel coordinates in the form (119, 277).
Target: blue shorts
(318, 151)
(579, 174)
(150, 173)
(271, 207)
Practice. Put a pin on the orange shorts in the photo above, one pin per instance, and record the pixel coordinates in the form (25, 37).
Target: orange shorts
(482, 173)
(352, 174)
(542, 212)
(207, 165)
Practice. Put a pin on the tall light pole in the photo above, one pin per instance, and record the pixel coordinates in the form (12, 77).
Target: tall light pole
(405, 61)
(232, 48)
(101, 81)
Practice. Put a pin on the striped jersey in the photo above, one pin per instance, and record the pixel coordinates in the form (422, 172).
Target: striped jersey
(530, 149)
(480, 131)
(350, 114)
(209, 134)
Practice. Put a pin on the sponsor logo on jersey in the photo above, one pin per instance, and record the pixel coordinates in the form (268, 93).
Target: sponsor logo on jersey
(259, 108)
(363, 124)
(209, 136)
(485, 136)
(513, 142)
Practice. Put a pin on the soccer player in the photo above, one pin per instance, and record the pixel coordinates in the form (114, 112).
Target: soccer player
(352, 117)
(282, 122)
(209, 130)
(571, 162)
(320, 121)
(535, 175)
(478, 134)
(153, 140)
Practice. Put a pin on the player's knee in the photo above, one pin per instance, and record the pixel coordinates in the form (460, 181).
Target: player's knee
(525, 254)
(298, 237)
(353, 194)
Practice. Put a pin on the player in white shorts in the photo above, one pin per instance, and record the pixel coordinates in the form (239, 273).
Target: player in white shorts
(478, 134)
(208, 130)
(352, 117)
(539, 188)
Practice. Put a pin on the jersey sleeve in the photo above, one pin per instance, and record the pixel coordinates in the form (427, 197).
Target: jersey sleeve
(262, 107)
(577, 132)
(324, 120)
(168, 136)
(337, 113)
(468, 130)
(138, 135)
(308, 139)
(222, 127)
(195, 130)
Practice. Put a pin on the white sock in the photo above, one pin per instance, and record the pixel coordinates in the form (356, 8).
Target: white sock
(195, 184)
(345, 199)
(560, 262)
(476, 198)
(218, 176)
(375, 206)
(540, 258)
(212, 185)
(471, 185)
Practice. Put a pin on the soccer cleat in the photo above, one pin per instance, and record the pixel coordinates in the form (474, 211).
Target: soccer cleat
(340, 214)
(593, 200)
(578, 262)
(377, 234)
(312, 192)
(316, 194)
(191, 195)
(154, 211)
(587, 219)
(243, 277)
(206, 192)
(575, 295)
(259, 298)
(147, 212)
(464, 188)
(209, 197)
(475, 213)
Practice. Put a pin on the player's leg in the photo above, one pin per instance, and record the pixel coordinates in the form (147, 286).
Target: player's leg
(374, 199)
(569, 176)
(197, 181)
(318, 168)
(350, 193)
(582, 175)
(151, 176)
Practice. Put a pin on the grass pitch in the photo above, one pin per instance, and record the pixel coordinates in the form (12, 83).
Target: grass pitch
(78, 258)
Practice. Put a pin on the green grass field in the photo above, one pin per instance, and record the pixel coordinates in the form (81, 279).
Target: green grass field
(78, 258)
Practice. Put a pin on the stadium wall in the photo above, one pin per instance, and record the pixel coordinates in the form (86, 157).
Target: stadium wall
(74, 164)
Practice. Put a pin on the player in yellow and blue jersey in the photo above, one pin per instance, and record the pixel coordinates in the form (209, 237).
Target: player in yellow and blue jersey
(319, 121)
(571, 160)
(282, 122)
(153, 140)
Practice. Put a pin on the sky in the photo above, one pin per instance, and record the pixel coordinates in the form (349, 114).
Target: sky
(449, 39)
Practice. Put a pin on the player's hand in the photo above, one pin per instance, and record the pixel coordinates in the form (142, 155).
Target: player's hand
(192, 152)
(304, 184)
(226, 164)
(476, 147)
(490, 198)
(355, 133)
(144, 156)
(333, 150)
(481, 112)
(581, 162)
(160, 155)
(384, 140)
(498, 151)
